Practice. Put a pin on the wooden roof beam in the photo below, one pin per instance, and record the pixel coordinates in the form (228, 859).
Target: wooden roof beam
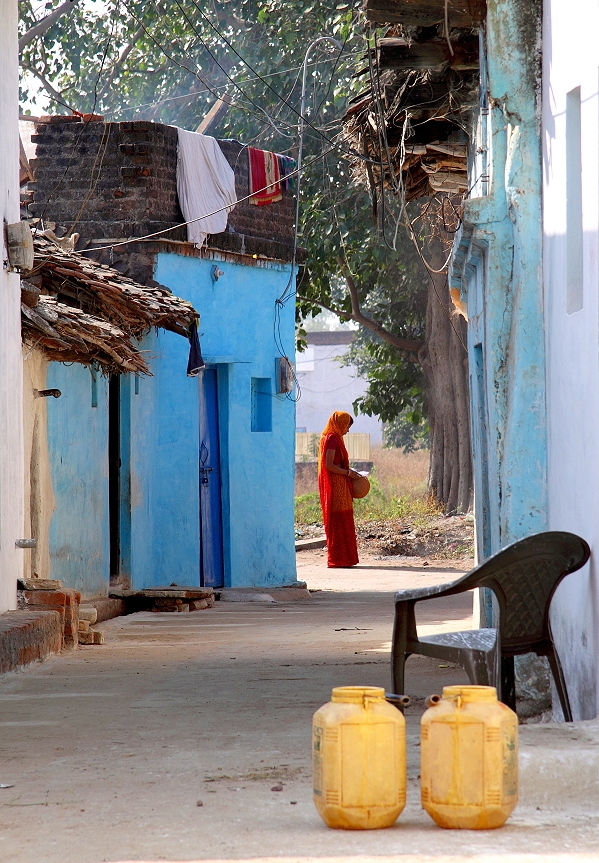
(424, 13)
(395, 54)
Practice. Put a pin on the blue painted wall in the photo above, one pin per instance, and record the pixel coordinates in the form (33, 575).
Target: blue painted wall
(78, 446)
(159, 526)
(237, 325)
(498, 267)
(164, 467)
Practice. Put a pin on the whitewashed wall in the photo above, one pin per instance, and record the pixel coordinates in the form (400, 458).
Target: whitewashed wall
(328, 386)
(11, 371)
(571, 60)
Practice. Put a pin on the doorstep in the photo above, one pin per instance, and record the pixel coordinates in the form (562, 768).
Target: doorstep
(264, 594)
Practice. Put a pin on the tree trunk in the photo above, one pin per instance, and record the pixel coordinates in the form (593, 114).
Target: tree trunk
(445, 363)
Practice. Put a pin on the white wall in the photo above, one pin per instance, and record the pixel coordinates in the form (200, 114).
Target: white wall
(11, 371)
(327, 386)
(570, 60)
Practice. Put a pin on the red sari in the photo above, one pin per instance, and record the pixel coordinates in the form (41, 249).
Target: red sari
(337, 502)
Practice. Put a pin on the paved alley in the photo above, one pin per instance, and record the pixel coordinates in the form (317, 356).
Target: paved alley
(166, 742)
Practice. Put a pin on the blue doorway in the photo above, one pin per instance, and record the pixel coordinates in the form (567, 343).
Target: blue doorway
(211, 531)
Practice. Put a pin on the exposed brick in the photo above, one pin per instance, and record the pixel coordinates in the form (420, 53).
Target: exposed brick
(139, 149)
(28, 636)
(140, 165)
(65, 602)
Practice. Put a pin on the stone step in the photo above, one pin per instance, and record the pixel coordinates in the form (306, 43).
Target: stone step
(307, 544)
(164, 593)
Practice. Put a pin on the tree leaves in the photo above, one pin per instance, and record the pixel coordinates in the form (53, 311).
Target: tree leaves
(166, 62)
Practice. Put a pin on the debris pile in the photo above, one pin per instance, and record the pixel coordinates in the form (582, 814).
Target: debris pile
(413, 119)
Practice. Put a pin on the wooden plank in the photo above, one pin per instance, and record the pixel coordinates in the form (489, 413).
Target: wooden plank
(427, 55)
(423, 13)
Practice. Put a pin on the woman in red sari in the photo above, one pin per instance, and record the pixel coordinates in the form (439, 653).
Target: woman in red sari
(334, 485)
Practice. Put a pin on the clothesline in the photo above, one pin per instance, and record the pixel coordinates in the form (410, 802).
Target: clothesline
(213, 213)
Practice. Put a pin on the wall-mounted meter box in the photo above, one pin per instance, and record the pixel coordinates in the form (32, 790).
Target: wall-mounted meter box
(284, 375)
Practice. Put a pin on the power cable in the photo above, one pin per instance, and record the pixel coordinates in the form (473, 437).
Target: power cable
(213, 89)
(201, 92)
(222, 68)
(279, 97)
(199, 218)
(85, 124)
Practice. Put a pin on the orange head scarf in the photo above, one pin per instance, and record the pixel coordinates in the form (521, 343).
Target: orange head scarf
(338, 424)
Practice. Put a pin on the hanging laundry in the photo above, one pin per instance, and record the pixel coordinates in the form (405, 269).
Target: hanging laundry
(205, 185)
(196, 362)
(286, 166)
(265, 187)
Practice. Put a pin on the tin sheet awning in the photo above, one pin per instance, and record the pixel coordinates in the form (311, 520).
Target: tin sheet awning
(76, 310)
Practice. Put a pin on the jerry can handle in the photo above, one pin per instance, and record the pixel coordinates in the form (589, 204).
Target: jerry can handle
(399, 701)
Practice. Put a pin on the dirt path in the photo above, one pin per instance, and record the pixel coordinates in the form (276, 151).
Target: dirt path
(110, 749)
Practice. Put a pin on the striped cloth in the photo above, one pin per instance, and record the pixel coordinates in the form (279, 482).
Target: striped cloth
(265, 187)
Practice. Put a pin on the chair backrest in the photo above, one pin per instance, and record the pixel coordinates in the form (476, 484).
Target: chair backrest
(523, 576)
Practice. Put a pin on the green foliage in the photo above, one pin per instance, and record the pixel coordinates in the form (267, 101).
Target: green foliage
(378, 505)
(409, 432)
(168, 61)
(308, 509)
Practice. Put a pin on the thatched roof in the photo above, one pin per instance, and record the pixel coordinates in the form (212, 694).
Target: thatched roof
(77, 310)
(414, 116)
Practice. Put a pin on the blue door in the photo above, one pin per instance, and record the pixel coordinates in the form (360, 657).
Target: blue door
(211, 532)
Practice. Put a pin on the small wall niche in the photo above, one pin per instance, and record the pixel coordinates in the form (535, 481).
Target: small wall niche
(261, 404)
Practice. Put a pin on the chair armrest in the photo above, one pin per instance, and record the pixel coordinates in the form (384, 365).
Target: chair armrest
(416, 594)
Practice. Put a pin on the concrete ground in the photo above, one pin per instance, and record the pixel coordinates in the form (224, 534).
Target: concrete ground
(166, 742)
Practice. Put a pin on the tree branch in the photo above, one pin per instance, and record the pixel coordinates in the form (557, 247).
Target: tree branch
(411, 346)
(54, 94)
(360, 318)
(40, 28)
(124, 54)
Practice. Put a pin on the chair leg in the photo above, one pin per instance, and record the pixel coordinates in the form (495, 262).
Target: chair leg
(560, 684)
(482, 666)
(508, 682)
(398, 648)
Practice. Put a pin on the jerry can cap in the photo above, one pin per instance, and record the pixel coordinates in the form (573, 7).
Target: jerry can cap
(356, 694)
(471, 693)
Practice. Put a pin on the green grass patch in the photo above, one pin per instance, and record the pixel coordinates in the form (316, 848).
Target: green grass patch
(308, 509)
(378, 505)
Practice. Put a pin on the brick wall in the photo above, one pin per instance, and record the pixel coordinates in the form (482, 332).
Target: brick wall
(118, 180)
(28, 636)
(64, 601)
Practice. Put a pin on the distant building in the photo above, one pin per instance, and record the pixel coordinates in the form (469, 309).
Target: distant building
(326, 385)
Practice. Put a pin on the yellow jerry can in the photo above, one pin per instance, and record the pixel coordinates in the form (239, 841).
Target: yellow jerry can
(469, 758)
(359, 759)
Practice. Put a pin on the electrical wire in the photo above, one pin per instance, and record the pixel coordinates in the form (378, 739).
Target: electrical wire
(224, 71)
(201, 92)
(85, 124)
(213, 89)
(279, 97)
(120, 243)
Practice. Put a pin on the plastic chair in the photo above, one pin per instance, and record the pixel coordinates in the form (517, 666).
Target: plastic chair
(523, 576)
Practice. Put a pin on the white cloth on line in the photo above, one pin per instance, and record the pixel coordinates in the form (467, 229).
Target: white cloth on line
(205, 183)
